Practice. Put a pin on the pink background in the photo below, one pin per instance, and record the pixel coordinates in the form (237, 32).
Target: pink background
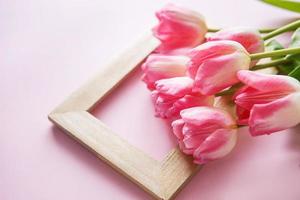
(49, 48)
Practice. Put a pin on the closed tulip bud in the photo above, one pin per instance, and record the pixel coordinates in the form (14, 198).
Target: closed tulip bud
(207, 133)
(178, 28)
(267, 103)
(214, 65)
(175, 94)
(158, 67)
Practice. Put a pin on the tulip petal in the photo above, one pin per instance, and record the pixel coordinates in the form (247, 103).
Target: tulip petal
(178, 86)
(214, 64)
(248, 37)
(216, 146)
(268, 82)
(189, 101)
(177, 126)
(219, 73)
(158, 67)
(204, 117)
(275, 116)
(179, 27)
(193, 142)
(207, 51)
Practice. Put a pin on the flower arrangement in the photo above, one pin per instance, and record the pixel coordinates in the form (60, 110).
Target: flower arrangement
(196, 67)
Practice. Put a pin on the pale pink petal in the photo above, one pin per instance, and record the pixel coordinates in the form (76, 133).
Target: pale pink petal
(184, 149)
(161, 104)
(268, 82)
(204, 117)
(178, 86)
(247, 97)
(250, 38)
(191, 129)
(275, 116)
(207, 51)
(189, 101)
(177, 126)
(158, 67)
(217, 145)
(214, 65)
(192, 142)
(218, 73)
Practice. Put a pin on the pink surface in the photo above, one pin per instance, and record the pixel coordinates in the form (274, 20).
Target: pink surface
(49, 48)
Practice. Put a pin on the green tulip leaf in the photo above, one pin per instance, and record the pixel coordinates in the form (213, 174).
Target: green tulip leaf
(285, 4)
(295, 58)
(295, 73)
(274, 45)
(295, 39)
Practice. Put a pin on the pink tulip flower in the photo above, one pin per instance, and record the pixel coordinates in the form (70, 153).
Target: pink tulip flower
(268, 103)
(249, 38)
(158, 67)
(214, 65)
(175, 94)
(179, 27)
(207, 133)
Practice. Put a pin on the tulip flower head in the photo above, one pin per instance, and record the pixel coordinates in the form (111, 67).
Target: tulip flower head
(267, 103)
(249, 38)
(214, 65)
(179, 27)
(207, 133)
(158, 67)
(175, 94)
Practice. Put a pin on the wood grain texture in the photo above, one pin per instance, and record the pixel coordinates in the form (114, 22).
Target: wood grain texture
(163, 180)
(176, 170)
(125, 158)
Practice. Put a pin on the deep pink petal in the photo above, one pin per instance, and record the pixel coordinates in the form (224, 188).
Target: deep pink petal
(218, 73)
(216, 146)
(250, 38)
(214, 65)
(207, 51)
(179, 27)
(275, 116)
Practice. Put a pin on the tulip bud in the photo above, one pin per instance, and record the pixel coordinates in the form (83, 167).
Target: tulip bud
(179, 27)
(158, 67)
(267, 103)
(214, 65)
(207, 133)
(174, 94)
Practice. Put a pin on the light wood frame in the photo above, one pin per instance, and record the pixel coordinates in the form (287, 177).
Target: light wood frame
(163, 180)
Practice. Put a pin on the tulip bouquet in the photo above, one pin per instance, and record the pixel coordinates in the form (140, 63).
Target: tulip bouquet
(196, 67)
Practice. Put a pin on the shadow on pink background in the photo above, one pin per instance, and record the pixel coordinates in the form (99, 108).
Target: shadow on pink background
(49, 48)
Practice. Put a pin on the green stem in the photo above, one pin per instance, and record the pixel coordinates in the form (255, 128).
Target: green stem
(213, 30)
(269, 64)
(281, 52)
(266, 30)
(291, 26)
(229, 91)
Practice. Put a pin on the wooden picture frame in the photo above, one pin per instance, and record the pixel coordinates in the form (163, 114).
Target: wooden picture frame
(163, 180)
